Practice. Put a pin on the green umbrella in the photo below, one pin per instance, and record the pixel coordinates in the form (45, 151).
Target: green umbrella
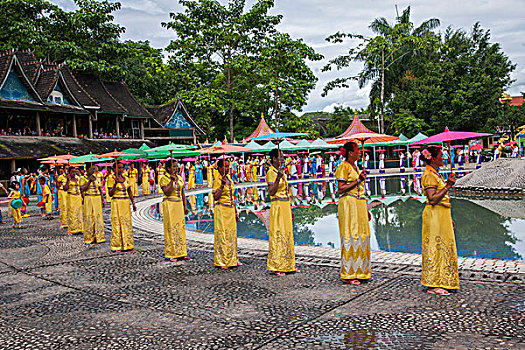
(144, 147)
(88, 158)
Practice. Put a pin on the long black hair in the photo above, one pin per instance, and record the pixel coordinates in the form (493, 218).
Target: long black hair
(433, 150)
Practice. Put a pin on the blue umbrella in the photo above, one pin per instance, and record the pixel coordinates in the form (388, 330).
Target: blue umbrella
(279, 135)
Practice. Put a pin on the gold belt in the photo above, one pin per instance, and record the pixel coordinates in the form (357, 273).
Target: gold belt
(172, 199)
(91, 195)
(280, 199)
(224, 205)
(441, 204)
(119, 197)
(351, 195)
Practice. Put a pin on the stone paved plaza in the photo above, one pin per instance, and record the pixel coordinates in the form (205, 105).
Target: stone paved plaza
(57, 293)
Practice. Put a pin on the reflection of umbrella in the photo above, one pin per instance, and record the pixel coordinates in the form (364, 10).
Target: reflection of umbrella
(258, 154)
(511, 143)
(416, 147)
(448, 136)
(476, 147)
(190, 159)
(399, 150)
(457, 146)
(380, 150)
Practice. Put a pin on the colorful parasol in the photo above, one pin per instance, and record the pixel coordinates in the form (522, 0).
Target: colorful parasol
(399, 150)
(476, 147)
(448, 136)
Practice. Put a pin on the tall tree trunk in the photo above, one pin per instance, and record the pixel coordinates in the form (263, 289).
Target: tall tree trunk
(382, 120)
(276, 108)
(229, 93)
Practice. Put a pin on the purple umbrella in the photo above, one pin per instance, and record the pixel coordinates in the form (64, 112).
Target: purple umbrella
(189, 159)
(448, 136)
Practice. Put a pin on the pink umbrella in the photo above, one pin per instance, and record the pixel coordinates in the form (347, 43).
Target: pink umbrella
(258, 154)
(448, 136)
(457, 146)
(511, 143)
(139, 160)
(399, 149)
(105, 164)
(190, 159)
(380, 150)
(476, 147)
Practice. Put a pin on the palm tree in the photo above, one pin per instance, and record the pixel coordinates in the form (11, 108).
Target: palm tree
(385, 67)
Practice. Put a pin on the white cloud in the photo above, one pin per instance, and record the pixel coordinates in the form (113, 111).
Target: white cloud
(314, 20)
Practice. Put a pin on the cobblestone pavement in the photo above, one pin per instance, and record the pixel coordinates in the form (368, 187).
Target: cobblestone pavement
(57, 293)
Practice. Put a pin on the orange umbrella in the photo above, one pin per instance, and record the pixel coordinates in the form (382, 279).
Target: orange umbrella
(365, 137)
(66, 156)
(54, 161)
(116, 154)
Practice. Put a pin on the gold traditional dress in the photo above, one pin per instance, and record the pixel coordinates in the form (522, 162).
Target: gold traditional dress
(17, 213)
(439, 254)
(354, 227)
(281, 254)
(121, 228)
(225, 236)
(48, 203)
(191, 178)
(174, 219)
(209, 183)
(75, 222)
(145, 181)
(62, 200)
(133, 176)
(93, 220)
(160, 172)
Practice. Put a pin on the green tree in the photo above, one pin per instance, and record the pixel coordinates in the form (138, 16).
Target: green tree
(86, 38)
(384, 56)
(284, 72)
(458, 86)
(294, 123)
(222, 40)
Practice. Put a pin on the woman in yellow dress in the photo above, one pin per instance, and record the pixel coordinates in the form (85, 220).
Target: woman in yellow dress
(354, 217)
(439, 270)
(91, 187)
(281, 254)
(121, 196)
(75, 223)
(62, 198)
(133, 177)
(145, 181)
(160, 173)
(174, 210)
(191, 177)
(225, 218)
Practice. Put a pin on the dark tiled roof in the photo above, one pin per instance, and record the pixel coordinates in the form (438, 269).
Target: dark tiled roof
(96, 90)
(46, 81)
(42, 107)
(120, 91)
(38, 147)
(30, 64)
(76, 89)
(163, 113)
(5, 59)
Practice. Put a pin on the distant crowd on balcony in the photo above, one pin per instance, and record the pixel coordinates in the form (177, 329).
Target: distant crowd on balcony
(59, 132)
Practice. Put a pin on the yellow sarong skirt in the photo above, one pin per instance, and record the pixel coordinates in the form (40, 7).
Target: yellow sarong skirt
(174, 229)
(62, 207)
(354, 229)
(48, 206)
(225, 236)
(191, 181)
(17, 215)
(145, 186)
(93, 221)
(281, 254)
(75, 222)
(121, 229)
(135, 188)
(439, 254)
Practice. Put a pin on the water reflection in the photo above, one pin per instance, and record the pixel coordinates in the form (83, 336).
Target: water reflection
(396, 218)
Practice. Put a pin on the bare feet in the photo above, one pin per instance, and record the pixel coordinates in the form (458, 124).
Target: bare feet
(438, 291)
(352, 282)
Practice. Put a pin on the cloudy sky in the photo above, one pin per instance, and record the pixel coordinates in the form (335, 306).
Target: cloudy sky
(314, 20)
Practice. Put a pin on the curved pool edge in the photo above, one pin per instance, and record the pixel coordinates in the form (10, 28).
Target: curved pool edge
(326, 256)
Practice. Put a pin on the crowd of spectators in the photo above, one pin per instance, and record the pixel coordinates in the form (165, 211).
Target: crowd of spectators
(59, 132)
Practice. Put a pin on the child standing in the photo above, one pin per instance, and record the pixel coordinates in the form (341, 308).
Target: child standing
(15, 194)
(46, 205)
